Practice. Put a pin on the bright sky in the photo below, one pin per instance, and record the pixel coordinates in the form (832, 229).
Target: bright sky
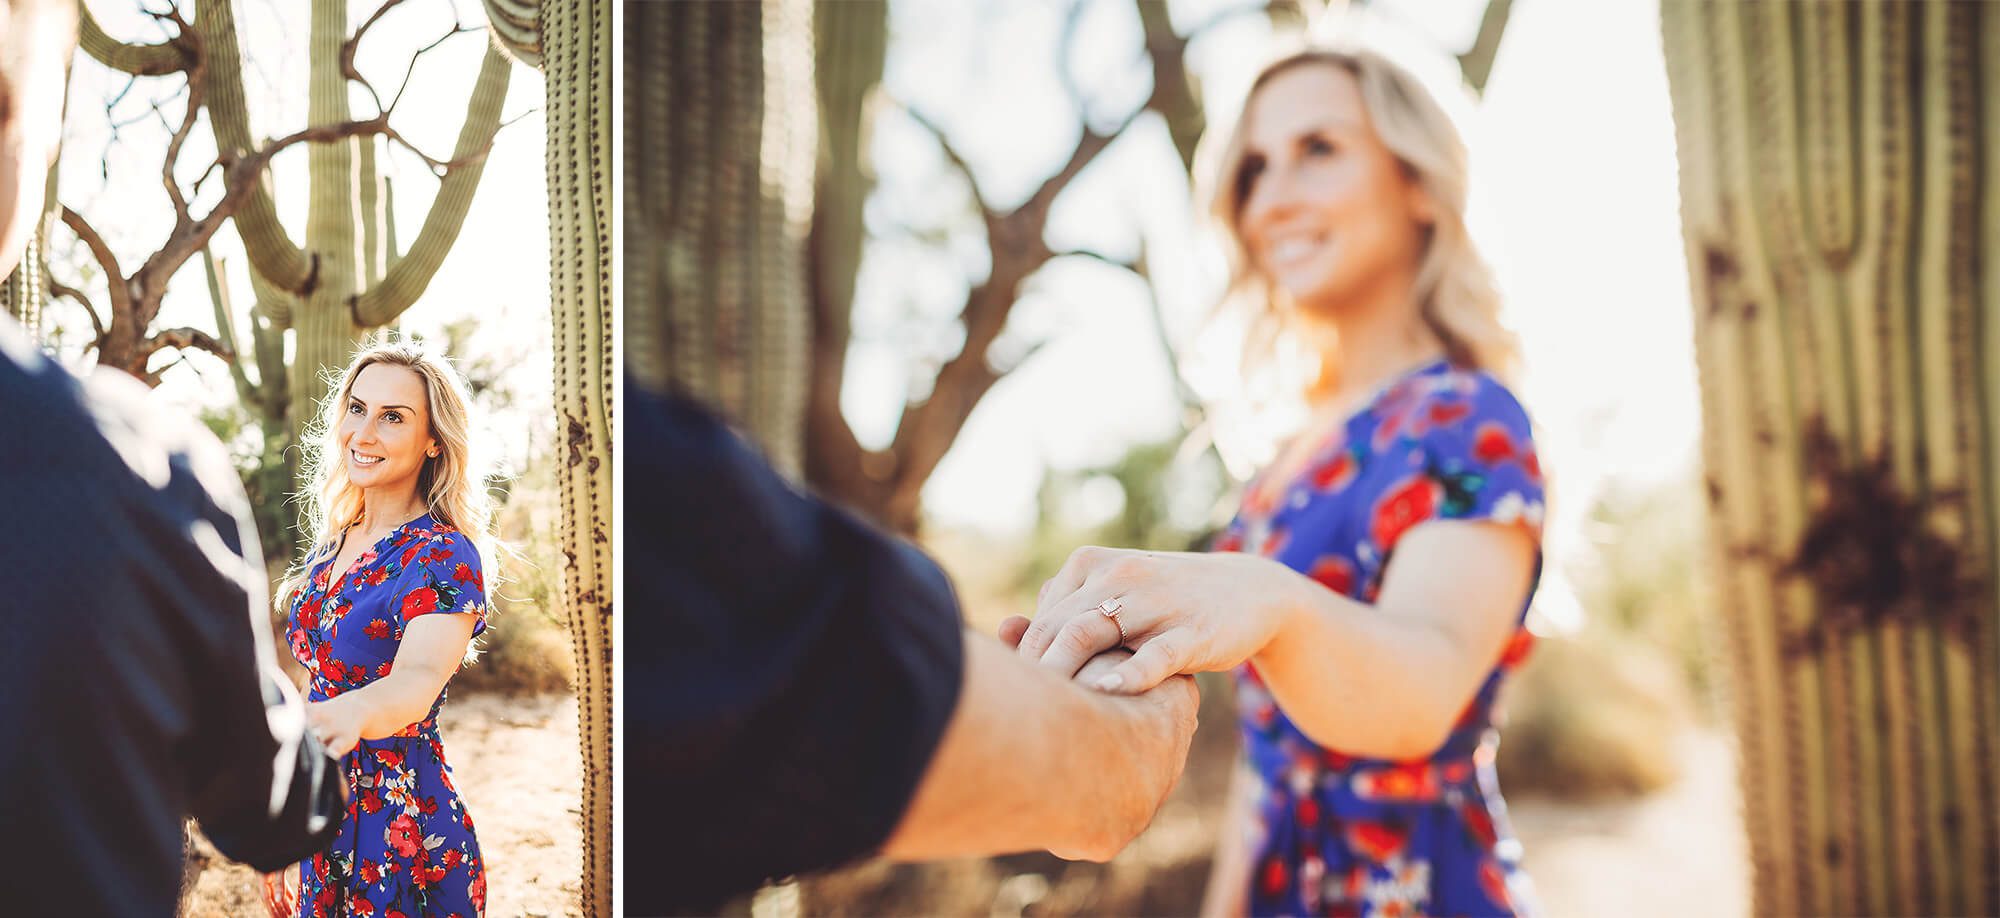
(1575, 203)
(498, 270)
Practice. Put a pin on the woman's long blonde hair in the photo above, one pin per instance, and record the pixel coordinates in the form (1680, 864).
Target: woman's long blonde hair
(452, 484)
(1455, 291)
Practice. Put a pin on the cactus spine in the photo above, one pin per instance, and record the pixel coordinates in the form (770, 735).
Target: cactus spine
(720, 137)
(1839, 176)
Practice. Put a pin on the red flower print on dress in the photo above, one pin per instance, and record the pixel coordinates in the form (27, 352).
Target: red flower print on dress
(377, 629)
(1404, 781)
(1446, 413)
(371, 874)
(1493, 882)
(463, 573)
(419, 601)
(361, 906)
(1492, 444)
(371, 802)
(1377, 841)
(1334, 573)
(1478, 822)
(1517, 648)
(1308, 811)
(1274, 875)
(1407, 504)
(376, 576)
(479, 892)
(1336, 474)
(389, 757)
(404, 836)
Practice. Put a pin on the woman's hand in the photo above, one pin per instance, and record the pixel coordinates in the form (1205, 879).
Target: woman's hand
(338, 722)
(1182, 612)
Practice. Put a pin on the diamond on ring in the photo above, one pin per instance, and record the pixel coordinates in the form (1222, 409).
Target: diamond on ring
(1109, 608)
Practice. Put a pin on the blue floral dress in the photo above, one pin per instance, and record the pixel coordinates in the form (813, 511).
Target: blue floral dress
(1342, 835)
(407, 848)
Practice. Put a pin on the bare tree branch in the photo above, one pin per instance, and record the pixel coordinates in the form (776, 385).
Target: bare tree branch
(348, 47)
(1132, 266)
(184, 338)
(107, 260)
(457, 29)
(951, 155)
(60, 289)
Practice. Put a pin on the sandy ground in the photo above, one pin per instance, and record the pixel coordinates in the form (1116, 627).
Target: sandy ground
(1679, 851)
(515, 761)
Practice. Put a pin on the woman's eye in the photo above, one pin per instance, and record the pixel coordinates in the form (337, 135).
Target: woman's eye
(353, 408)
(392, 416)
(1318, 146)
(1246, 175)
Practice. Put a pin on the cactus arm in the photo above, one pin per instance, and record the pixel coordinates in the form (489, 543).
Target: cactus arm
(271, 251)
(135, 58)
(517, 27)
(404, 282)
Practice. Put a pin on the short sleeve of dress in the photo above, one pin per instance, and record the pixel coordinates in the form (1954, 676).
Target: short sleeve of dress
(1478, 454)
(444, 575)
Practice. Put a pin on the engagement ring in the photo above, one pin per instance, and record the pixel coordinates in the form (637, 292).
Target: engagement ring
(1110, 609)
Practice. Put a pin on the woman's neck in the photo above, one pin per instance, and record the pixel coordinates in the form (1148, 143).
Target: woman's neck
(385, 508)
(1369, 339)
(1367, 351)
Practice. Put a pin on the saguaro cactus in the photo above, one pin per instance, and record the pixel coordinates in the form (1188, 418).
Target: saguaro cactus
(571, 41)
(1840, 179)
(348, 277)
(719, 143)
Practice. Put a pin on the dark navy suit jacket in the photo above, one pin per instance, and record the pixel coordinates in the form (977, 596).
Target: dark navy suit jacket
(789, 670)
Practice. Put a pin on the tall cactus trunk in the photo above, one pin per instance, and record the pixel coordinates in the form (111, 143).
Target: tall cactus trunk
(347, 278)
(325, 334)
(1840, 177)
(576, 56)
(720, 135)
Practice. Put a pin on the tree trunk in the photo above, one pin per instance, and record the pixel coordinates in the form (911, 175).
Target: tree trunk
(1840, 178)
(720, 135)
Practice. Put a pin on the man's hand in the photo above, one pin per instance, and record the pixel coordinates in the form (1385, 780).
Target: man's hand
(1162, 724)
(1033, 761)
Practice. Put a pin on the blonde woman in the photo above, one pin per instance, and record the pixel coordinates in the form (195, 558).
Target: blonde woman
(381, 613)
(1371, 590)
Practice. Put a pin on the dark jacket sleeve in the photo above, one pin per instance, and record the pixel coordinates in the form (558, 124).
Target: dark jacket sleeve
(789, 669)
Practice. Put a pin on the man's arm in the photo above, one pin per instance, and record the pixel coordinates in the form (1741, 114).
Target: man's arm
(1034, 761)
(800, 693)
(262, 787)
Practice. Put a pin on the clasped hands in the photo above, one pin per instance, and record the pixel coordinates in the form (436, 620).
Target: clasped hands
(1180, 612)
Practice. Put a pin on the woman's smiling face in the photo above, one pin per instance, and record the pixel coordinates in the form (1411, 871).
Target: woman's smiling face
(385, 428)
(1327, 211)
